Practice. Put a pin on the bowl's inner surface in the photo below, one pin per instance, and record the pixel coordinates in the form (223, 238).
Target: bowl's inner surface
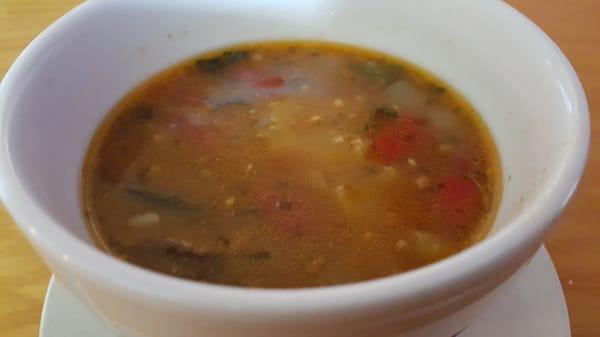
(78, 75)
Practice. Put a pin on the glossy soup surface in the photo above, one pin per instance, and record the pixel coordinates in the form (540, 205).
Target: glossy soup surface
(292, 164)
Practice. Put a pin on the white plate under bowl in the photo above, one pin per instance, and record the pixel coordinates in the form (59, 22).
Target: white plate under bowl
(531, 304)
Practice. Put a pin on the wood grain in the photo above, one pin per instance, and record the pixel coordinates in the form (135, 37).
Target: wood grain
(23, 277)
(574, 245)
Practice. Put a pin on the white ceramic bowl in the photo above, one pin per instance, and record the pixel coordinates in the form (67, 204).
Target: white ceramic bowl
(64, 83)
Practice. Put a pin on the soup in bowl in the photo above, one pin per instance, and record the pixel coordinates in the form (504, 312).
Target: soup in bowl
(522, 115)
(290, 164)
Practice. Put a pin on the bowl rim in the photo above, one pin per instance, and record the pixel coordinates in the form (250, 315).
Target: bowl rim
(528, 228)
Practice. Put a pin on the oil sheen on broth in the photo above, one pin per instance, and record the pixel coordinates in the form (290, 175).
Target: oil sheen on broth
(290, 164)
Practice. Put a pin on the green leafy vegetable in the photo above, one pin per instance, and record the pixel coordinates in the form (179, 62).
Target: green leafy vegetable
(159, 200)
(236, 103)
(382, 112)
(438, 90)
(385, 73)
(217, 64)
(185, 249)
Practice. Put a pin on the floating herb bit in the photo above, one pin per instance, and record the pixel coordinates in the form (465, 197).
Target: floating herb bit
(143, 111)
(438, 90)
(381, 113)
(217, 64)
(234, 103)
(369, 125)
(385, 73)
(387, 112)
(262, 255)
(159, 200)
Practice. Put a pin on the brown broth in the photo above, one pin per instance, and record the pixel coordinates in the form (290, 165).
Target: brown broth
(290, 164)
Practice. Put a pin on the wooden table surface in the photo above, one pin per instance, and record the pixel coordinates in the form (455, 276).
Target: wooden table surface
(574, 245)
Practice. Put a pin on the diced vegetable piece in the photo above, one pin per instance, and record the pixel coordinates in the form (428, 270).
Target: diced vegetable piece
(144, 219)
(270, 82)
(229, 201)
(444, 119)
(337, 139)
(459, 197)
(428, 246)
(405, 95)
(389, 148)
(314, 119)
(399, 139)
